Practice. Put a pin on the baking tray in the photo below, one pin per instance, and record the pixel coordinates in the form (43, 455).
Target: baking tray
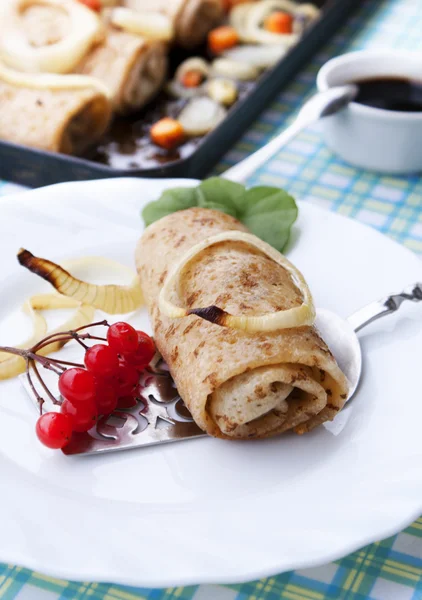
(35, 168)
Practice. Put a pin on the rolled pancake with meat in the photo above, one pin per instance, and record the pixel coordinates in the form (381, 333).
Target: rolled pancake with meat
(192, 19)
(236, 384)
(131, 67)
(66, 120)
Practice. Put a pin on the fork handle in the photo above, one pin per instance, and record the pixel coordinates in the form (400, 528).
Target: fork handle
(384, 307)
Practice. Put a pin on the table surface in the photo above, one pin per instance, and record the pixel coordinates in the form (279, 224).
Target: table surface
(390, 569)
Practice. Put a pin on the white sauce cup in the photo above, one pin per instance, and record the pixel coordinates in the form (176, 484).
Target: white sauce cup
(374, 138)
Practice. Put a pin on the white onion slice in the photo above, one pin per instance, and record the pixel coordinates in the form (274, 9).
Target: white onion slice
(261, 57)
(61, 57)
(298, 316)
(261, 36)
(308, 10)
(255, 19)
(176, 88)
(11, 365)
(253, 24)
(238, 18)
(223, 91)
(152, 25)
(51, 81)
(201, 115)
(195, 63)
(233, 69)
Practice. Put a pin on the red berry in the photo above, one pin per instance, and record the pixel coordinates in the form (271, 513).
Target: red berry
(123, 338)
(127, 379)
(54, 430)
(106, 397)
(145, 352)
(83, 416)
(77, 385)
(101, 360)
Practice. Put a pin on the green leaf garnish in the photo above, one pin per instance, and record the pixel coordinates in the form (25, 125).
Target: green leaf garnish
(268, 212)
(170, 201)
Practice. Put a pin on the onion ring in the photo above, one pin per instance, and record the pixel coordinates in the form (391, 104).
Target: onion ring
(283, 319)
(60, 57)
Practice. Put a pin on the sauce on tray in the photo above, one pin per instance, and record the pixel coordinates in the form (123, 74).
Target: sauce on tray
(127, 144)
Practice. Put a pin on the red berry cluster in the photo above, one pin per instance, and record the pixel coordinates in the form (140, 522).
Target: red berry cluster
(109, 380)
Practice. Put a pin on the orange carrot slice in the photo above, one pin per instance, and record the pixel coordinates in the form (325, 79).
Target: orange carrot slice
(167, 133)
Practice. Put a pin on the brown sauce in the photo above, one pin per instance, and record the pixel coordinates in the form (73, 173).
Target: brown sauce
(127, 144)
(390, 93)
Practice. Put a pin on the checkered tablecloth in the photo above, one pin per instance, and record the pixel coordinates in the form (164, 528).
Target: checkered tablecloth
(390, 569)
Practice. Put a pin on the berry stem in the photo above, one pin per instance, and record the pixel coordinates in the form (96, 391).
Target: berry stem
(78, 339)
(51, 339)
(59, 362)
(47, 363)
(97, 324)
(88, 336)
(39, 399)
(66, 335)
(55, 365)
(40, 379)
(16, 351)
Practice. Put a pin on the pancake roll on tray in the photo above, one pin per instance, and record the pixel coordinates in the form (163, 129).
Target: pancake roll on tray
(131, 66)
(59, 113)
(191, 20)
(240, 377)
(66, 37)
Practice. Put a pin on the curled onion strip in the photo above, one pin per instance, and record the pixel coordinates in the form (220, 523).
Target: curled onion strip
(283, 319)
(39, 325)
(61, 57)
(152, 25)
(11, 366)
(50, 81)
(112, 299)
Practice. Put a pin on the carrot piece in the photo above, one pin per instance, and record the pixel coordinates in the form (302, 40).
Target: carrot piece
(279, 22)
(92, 4)
(222, 38)
(192, 79)
(167, 133)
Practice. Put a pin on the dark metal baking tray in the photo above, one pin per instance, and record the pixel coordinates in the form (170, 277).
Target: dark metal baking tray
(36, 168)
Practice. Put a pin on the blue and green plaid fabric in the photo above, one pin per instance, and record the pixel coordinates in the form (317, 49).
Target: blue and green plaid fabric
(390, 569)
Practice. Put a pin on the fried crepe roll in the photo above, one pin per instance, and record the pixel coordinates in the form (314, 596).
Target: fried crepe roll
(47, 36)
(59, 113)
(192, 19)
(131, 67)
(236, 384)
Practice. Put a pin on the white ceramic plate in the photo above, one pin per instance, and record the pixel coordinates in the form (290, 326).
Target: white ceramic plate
(208, 510)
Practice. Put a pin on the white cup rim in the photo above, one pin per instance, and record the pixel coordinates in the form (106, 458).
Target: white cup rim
(407, 57)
